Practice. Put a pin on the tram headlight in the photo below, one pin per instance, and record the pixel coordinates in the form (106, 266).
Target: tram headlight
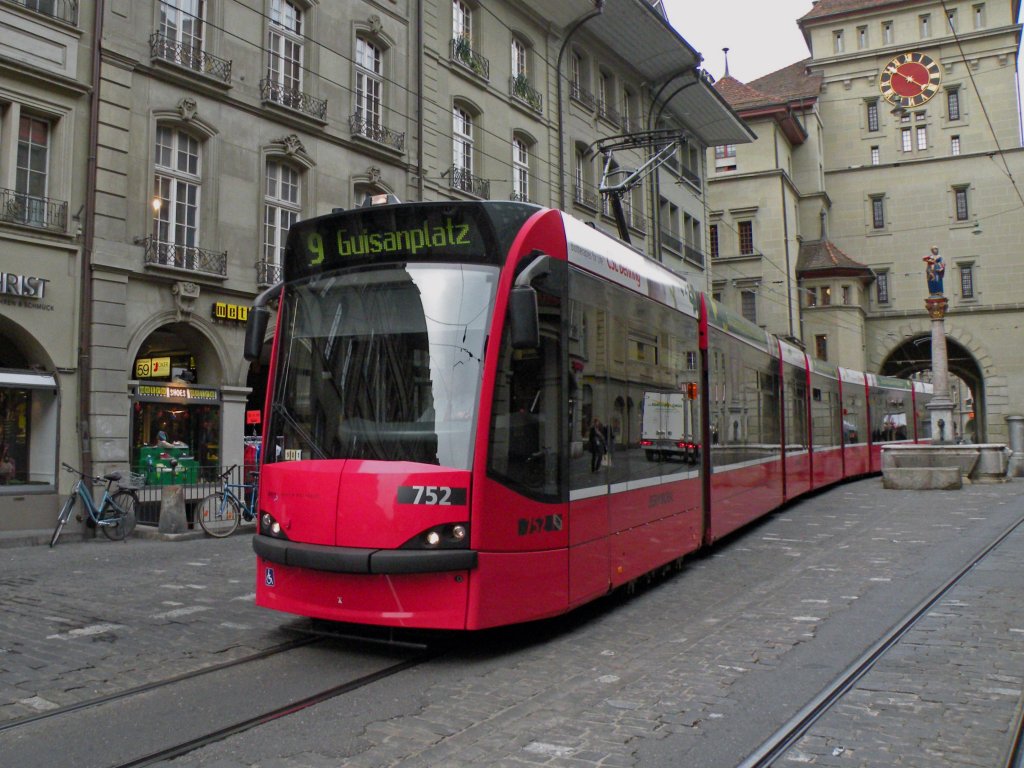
(270, 527)
(445, 536)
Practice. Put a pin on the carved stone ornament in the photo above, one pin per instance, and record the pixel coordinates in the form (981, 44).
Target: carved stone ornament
(373, 174)
(187, 108)
(375, 24)
(185, 295)
(291, 144)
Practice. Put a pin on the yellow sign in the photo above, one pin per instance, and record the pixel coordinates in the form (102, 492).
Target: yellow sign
(232, 312)
(152, 367)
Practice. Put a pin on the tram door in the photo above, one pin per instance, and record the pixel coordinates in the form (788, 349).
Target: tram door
(590, 458)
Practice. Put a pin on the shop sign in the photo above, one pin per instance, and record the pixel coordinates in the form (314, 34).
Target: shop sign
(14, 289)
(165, 392)
(252, 417)
(235, 313)
(152, 367)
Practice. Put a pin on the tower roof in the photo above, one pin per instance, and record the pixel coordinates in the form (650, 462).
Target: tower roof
(820, 258)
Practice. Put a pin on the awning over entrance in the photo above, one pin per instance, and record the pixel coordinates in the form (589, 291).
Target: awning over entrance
(27, 380)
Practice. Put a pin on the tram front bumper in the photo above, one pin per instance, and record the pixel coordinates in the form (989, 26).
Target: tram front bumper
(320, 557)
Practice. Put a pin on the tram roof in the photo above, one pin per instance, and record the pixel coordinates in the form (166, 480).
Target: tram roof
(637, 32)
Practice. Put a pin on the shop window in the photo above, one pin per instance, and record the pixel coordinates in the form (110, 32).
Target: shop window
(28, 430)
(175, 438)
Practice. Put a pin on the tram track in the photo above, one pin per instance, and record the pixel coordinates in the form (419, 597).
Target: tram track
(169, 718)
(177, 750)
(157, 684)
(787, 736)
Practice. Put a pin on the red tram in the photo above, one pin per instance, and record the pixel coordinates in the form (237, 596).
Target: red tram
(437, 375)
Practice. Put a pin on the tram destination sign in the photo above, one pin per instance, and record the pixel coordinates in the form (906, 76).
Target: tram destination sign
(414, 232)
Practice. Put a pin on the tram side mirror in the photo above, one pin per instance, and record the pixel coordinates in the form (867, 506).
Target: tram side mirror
(255, 332)
(522, 312)
(259, 319)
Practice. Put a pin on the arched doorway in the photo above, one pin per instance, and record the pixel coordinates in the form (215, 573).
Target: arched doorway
(176, 428)
(967, 386)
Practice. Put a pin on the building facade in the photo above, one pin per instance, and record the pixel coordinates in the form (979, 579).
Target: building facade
(904, 162)
(185, 136)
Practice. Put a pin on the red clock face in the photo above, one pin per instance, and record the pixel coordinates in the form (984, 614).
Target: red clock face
(909, 80)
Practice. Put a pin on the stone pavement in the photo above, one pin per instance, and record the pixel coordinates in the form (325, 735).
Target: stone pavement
(694, 671)
(90, 618)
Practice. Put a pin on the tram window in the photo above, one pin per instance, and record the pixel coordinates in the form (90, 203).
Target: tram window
(526, 426)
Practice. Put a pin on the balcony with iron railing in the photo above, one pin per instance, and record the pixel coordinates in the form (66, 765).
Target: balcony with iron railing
(520, 89)
(581, 95)
(268, 274)
(184, 257)
(463, 180)
(586, 196)
(462, 53)
(164, 48)
(609, 114)
(375, 132)
(693, 255)
(672, 242)
(273, 92)
(61, 10)
(520, 197)
(33, 211)
(689, 176)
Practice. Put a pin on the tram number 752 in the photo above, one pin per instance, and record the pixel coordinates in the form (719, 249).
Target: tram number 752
(433, 495)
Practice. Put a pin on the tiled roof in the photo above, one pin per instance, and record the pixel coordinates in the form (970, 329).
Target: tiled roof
(790, 83)
(741, 96)
(832, 7)
(787, 84)
(824, 256)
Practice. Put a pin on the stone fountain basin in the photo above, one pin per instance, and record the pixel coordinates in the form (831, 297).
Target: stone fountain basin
(977, 463)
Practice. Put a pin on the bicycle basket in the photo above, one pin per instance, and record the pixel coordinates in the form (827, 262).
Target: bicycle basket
(135, 480)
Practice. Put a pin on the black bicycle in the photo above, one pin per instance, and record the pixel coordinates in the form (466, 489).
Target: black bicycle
(114, 514)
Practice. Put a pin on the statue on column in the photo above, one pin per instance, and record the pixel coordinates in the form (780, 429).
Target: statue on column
(935, 268)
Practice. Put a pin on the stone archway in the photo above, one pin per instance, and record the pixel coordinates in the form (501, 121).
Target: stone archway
(967, 362)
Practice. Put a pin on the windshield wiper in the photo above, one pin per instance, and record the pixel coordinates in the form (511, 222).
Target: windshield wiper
(283, 412)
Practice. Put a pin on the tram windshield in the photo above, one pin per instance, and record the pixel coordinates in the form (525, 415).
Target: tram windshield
(382, 363)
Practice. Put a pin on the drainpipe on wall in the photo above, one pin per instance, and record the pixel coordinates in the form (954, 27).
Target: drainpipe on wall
(598, 10)
(419, 98)
(88, 236)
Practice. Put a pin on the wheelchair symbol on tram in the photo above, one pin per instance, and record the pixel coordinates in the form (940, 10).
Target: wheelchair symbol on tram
(268, 578)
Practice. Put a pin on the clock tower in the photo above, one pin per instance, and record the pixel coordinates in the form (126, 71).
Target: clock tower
(921, 145)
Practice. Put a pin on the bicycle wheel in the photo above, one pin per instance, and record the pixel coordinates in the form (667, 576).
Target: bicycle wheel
(121, 510)
(63, 516)
(218, 514)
